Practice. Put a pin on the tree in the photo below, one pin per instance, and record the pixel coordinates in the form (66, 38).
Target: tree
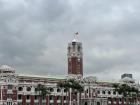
(126, 91)
(42, 91)
(71, 84)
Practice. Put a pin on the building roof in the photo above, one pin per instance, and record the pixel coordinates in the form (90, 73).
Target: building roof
(42, 76)
(127, 79)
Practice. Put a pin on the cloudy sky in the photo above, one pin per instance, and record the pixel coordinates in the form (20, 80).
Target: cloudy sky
(34, 35)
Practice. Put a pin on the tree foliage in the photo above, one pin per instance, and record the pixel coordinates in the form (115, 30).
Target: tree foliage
(42, 90)
(71, 83)
(125, 90)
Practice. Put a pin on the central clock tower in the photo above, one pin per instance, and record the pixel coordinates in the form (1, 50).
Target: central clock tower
(75, 58)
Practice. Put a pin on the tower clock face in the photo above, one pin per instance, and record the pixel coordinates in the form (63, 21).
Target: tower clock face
(78, 59)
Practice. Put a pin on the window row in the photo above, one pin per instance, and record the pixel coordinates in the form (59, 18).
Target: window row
(21, 88)
(37, 97)
(58, 90)
(119, 99)
(107, 92)
(50, 89)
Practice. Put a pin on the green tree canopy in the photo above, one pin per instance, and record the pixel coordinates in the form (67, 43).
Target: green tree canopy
(42, 90)
(125, 89)
(71, 83)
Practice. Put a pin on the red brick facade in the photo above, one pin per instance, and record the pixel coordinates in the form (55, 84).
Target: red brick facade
(75, 66)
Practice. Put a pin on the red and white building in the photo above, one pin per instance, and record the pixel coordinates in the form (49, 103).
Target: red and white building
(17, 89)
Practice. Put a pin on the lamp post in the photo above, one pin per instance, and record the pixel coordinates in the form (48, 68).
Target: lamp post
(70, 97)
(1, 95)
(78, 98)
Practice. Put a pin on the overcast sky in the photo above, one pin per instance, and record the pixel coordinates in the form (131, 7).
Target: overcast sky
(34, 35)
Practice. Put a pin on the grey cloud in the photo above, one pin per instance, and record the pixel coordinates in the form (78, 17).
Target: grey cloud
(34, 35)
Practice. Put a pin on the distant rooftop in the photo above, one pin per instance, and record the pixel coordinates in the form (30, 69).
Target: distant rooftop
(6, 68)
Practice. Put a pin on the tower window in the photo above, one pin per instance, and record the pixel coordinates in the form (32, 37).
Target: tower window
(79, 48)
(69, 49)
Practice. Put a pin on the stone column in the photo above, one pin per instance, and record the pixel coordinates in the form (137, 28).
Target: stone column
(55, 100)
(47, 100)
(23, 99)
(32, 100)
(112, 101)
(122, 101)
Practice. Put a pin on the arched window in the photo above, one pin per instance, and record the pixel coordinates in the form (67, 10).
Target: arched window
(58, 98)
(98, 103)
(19, 97)
(114, 92)
(20, 88)
(87, 90)
(109, 92)
(10, 86)
(120, 99)
(58, 90)
(65, 90)
(64, 97)
(109, 98)
(86, 103)
(98, 92)
(35, 97)
(51, 97)
(103, 92)
(114, 99)
(28, 88)
(28, 97)
(51, 90)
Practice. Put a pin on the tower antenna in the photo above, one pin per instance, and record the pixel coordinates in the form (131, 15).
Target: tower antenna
(76, 36)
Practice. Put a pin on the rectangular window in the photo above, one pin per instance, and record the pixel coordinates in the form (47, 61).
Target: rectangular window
(10, 87)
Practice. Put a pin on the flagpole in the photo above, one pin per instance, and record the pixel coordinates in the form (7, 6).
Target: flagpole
(76, 36)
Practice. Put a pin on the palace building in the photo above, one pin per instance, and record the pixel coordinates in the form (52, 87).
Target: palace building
(18, 89)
